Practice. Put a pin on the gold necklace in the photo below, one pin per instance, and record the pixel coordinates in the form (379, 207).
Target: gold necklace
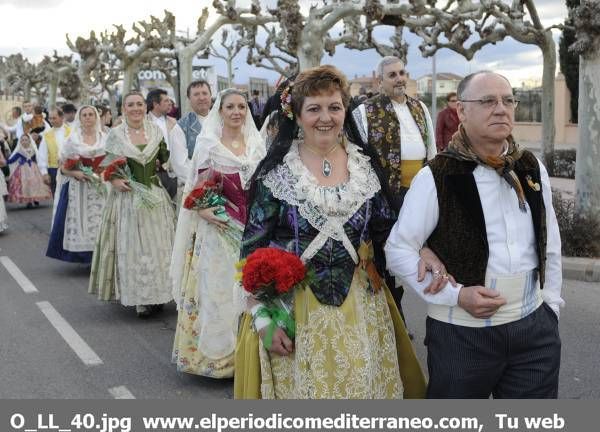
(326, 165)
(235, 144)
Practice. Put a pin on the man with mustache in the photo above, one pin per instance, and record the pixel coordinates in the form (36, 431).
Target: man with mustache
(401, 130)
(484, 206)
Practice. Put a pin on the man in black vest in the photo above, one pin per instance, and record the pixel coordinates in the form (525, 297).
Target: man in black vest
(486, 212)
(400, 129)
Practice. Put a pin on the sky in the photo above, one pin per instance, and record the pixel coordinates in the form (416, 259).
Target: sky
(38, 27)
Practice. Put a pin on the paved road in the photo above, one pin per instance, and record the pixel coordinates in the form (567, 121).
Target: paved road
(128, 357)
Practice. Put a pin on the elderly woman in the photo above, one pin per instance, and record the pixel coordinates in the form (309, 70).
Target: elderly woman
(318, 194)
(79, 205)
(131, 257)
(206, 247)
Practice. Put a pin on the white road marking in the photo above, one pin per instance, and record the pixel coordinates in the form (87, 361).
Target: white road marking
(121, 392)
(77, 344)
(18, 275)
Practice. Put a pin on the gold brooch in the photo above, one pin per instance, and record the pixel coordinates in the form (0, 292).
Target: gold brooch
(533, 185)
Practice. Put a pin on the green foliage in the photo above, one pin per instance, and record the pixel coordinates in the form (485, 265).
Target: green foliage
(564, 163)
(569, 61)
(426, 99)
(579, 234)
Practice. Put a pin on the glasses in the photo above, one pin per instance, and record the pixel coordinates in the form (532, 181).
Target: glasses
(492, 102)
(453, 100)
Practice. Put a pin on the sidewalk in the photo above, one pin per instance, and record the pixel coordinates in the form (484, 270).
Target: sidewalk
(583, 269)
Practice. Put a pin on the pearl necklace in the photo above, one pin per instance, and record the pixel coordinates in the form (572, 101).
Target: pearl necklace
(136, 131)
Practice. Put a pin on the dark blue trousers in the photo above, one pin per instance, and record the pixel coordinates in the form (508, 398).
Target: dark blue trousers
(518, 360)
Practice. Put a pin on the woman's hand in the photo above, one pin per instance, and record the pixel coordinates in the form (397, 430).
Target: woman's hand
(121, 185)
(281, 343)
(430, 262)
(208, 214)
(79, 176)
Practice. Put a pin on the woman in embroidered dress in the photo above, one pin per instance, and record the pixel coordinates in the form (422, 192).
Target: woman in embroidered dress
(204, 256)
(79, 208)
(26, 184)
(3, 191)
(319, 196)
(132, 253)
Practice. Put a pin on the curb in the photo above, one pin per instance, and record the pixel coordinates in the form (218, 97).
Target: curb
(583, 269)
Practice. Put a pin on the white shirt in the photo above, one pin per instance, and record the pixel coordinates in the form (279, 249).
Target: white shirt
(161, 122)
(412, 146)
(180, 163)
(510, 234)
(42, 156)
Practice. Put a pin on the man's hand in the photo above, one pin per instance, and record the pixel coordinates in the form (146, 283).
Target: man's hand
(46, 179)
(480, 302)
(281, 344)
(430, 262)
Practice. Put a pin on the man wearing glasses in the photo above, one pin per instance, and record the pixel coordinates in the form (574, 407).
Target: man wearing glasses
(485, 209)
(401, 131)
(447, 122)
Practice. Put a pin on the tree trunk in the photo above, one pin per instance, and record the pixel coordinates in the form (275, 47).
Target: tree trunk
(308, 59)
(129, 77)
(52, 90)
(548, 126)
(229, 72)
(587, 172)
(4, 85)
(112, 102)
(311, 48)
(27, 91)
(185, 57)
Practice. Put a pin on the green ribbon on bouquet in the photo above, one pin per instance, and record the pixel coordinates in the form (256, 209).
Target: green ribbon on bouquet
(216, 200)
(279, 318)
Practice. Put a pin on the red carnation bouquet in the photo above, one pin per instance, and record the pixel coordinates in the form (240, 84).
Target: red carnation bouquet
(208, 193)
(143, 196)
(75, 163)
(271, 275)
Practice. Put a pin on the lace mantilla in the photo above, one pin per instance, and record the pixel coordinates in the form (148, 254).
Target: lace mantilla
(326, 208)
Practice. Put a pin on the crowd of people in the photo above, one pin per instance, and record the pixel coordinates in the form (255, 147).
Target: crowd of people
(366, 194)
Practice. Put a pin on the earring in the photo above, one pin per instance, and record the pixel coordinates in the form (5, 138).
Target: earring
(300, 133)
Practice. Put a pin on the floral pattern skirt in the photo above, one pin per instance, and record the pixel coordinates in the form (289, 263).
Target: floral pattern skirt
(206, 331)
(359, 350)
(133, 251)
(26, 185)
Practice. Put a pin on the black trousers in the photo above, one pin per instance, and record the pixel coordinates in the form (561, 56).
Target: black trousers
(519, 360)
(52, 173)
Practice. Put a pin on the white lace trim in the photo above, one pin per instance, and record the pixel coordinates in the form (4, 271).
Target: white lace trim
(326, 208)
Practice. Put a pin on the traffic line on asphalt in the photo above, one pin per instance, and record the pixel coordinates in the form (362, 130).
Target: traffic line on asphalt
(68, 333)
(18, 275)
(121, 392)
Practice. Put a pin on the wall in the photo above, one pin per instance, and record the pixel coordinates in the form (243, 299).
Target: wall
(567, 134)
